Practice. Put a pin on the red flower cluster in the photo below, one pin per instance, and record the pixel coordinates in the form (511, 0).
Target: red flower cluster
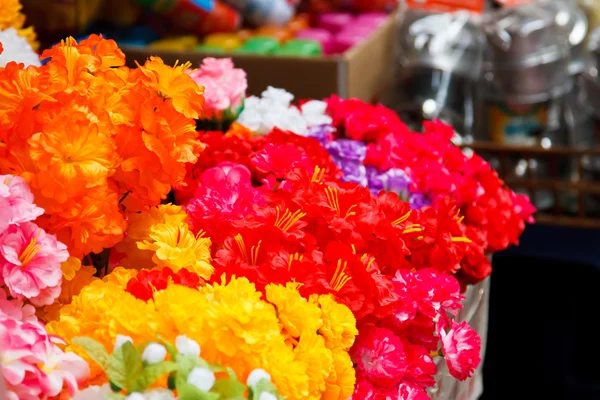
(146, 282)
(282, 218)
(494, 215)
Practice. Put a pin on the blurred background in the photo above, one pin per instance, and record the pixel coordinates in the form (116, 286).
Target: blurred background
(518, 81)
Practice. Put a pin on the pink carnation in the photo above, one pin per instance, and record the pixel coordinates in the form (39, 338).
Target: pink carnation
(406, 391)
(224, 86)
(34, 366)
(462, 348)
(379, 356)
(30, 263)
(16, 202)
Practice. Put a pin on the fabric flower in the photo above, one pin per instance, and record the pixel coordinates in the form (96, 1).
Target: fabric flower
(18, 204)
(461, 346)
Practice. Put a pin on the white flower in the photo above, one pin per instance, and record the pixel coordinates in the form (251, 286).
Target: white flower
(136, 396)
(93, 393)
(267, 396)
(314, 113)
(16, 48)
(202, 378)
(187, 346)
(120, 341)
(154, 353)
(257, 375)
(279, 96)
(160, 394)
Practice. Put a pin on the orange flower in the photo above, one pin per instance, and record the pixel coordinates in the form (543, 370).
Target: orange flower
(240, 131)
(175, 83)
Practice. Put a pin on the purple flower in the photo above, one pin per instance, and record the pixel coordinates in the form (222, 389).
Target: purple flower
(353, 171)
(377, 181)
(323, 133)
(347, 149)
(419, 200)
(397, 181)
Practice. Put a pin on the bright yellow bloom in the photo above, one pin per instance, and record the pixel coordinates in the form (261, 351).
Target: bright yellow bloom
(12, 17)
(175, 246)
(139, 229)
(120, 276)
(339, 324)
(319, 359)
(340, 383)
(70, 267)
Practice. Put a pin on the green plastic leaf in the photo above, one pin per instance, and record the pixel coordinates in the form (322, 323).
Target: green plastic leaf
(116, 396)
(95, 350)
(264, 385)
(188, 391)
(125, 366)
(229, 389)
(185, 364)
(215, 367)
(152, 373)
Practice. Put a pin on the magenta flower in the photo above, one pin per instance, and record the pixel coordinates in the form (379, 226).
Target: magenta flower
(461, 346)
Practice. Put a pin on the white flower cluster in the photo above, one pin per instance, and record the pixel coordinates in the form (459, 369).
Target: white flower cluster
(16, 48)
(274, 109)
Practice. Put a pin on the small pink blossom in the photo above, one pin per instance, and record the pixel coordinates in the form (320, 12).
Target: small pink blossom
(224, 86)
(462, 348)
(407, 391)
(379, 356)
(30, 263)
(16, 202)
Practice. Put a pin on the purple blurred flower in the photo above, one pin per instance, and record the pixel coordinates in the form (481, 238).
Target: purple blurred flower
(353, 171)
(397, 181)
(419, 200)
(347, 149)
(323, 133)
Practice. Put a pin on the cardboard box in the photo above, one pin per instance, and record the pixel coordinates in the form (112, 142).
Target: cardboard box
(362, 72)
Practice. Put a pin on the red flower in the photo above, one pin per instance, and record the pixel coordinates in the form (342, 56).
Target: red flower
(421, 368)
(379, 356)
(147, 282)
(462, 348)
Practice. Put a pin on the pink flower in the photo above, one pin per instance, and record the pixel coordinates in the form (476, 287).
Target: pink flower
(30, 263)
(16, 202)
(421, 368)
(379, 356)
(407, 391)
(15, 309)
(224, 86)
(31, 363)
(462, 348)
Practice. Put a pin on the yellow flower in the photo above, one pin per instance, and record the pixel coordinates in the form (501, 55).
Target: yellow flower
(120, 276)
(340, 383)
(70, 267)
(69, 288)
(101, 311)
(175, 246)
(319, 360)
(296, 315)
(339, 324)
(10, 14)
(140, 225)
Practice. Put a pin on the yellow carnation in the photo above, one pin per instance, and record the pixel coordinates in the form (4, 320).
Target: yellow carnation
(339, 324)
(340, 383)
(176, 247)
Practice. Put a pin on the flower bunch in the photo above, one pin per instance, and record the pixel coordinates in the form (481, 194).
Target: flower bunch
(303, 344)
(96, 140)
(30, 259)
(33, 365)
(133, 370)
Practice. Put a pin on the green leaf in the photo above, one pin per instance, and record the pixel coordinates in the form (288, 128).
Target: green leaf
(215, 367)
(95, 350)
(229, 389)
(264, 385)
(116, 396)
(152, 372)
(188, 391)
(125, 366)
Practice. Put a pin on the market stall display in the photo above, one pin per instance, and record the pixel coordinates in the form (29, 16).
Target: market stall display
(146, 252)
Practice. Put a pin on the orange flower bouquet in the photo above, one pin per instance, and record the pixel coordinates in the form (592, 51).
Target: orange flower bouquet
(96, 140)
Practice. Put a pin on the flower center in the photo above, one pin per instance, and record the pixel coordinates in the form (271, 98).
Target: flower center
(334, 202)
(294, 257)
(253, 258)
(30, 251)
(402, 218)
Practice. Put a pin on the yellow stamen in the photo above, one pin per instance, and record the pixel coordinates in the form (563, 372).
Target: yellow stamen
(370, 260)
(461, 219)
(254, 253)
(353, 249)
(339, 278)
(412, 230)
(334, 202)
(419, 238)
(350, 213)
(402, 218)
(317, 175)
(288, 219)
(200, 234)
(242, 246)
(30, 251)
(461, 239)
